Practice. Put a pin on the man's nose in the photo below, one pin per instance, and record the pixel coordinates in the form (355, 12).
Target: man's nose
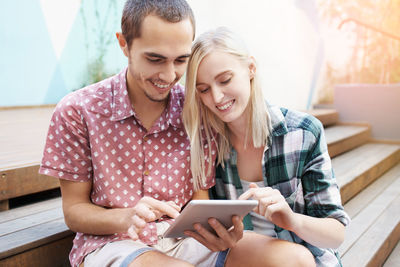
(168, 74)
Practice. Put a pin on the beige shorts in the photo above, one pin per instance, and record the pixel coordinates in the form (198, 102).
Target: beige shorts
(122, 253)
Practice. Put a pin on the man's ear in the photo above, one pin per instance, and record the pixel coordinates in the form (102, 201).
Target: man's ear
(122, 43)
(252, 67)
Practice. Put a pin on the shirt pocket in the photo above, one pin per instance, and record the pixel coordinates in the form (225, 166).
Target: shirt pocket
(178, 175)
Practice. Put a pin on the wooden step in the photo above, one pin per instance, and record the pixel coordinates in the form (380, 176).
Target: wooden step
(326, 116)
(342, 138)
(356, 169)
(394, 258)
(375, 226)
(30, 232)
(22, 138)
(27, 210)
(23, 181)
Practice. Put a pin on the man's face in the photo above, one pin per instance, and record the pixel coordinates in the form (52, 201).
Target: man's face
(158, 58)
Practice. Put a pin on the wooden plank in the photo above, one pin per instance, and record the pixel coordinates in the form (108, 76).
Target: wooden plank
(357, 204)
(33, 237)
(4, 205)
(52, 106)
(326, 116)
(384, 141)
(30, 209)
(49, 255)
(9, 227)
(357, 168)
(378, 241)
(23, 181)
(22, 138)
(394, 258)
(369, 215)
(342, 138)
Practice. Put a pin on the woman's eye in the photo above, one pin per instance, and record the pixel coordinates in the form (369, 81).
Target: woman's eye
(202, 90)
(226, 81)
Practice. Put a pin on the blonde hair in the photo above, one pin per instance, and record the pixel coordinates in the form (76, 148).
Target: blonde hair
(201, 124)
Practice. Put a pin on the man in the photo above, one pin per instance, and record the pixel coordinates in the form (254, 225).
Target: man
(122, 155)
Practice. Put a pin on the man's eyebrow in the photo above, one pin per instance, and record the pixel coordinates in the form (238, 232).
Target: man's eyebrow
(151, 54)
(184, 56)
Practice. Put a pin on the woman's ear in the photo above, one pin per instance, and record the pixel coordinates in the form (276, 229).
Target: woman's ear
(122, 43)
(252, 67)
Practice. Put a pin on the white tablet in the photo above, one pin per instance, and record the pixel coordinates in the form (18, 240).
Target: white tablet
(199, 211)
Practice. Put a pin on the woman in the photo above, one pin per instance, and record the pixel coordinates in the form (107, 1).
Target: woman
(275, 155)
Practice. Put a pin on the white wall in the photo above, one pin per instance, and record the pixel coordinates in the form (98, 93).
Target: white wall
(377, 104)
(280, 35)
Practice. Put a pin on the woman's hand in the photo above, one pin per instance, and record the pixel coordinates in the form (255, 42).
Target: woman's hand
(223, 238)
(272, 205)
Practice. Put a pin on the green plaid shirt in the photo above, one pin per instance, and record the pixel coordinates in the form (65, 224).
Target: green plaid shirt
(296, 162)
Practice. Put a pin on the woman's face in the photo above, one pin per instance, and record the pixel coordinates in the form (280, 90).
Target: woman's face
(223, 84)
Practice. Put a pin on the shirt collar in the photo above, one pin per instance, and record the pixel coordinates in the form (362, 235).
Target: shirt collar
(174, 108)
(278, 122)
(122, 106)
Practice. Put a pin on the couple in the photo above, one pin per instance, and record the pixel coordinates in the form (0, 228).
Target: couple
(132, 150)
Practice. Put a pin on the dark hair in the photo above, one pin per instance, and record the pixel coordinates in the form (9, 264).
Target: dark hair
(136, 10)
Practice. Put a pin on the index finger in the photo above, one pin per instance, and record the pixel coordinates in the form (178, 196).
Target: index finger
(162, 207)
(248, 194)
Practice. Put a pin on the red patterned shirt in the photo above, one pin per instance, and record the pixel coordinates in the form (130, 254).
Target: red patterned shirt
(95, 135)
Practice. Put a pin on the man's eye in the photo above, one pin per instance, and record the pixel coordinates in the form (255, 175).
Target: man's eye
(154, 60)
(181, 61)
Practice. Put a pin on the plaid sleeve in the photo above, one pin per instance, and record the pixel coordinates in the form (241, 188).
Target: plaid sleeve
(321, 191)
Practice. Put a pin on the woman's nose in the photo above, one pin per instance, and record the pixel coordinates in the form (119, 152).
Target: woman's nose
(217, 95)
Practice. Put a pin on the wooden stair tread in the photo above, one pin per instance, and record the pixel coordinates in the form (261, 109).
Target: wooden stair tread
(326, 116)
(357, 204)
(33, 237)
(342, 138)
(30, 209)
(359, 167)
(337, 133)
(394, 258)
(31, 220)
(22, 136)
(376, 243)
(370, 214)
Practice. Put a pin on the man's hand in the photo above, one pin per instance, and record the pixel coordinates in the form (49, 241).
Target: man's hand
(148, 210)
(224, 238)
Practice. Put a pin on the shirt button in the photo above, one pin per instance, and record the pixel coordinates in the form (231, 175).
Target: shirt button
(145, 138)
(146, 172)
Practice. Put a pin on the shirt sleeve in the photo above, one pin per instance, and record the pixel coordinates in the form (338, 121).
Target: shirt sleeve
(321, 191)
(67, 151)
